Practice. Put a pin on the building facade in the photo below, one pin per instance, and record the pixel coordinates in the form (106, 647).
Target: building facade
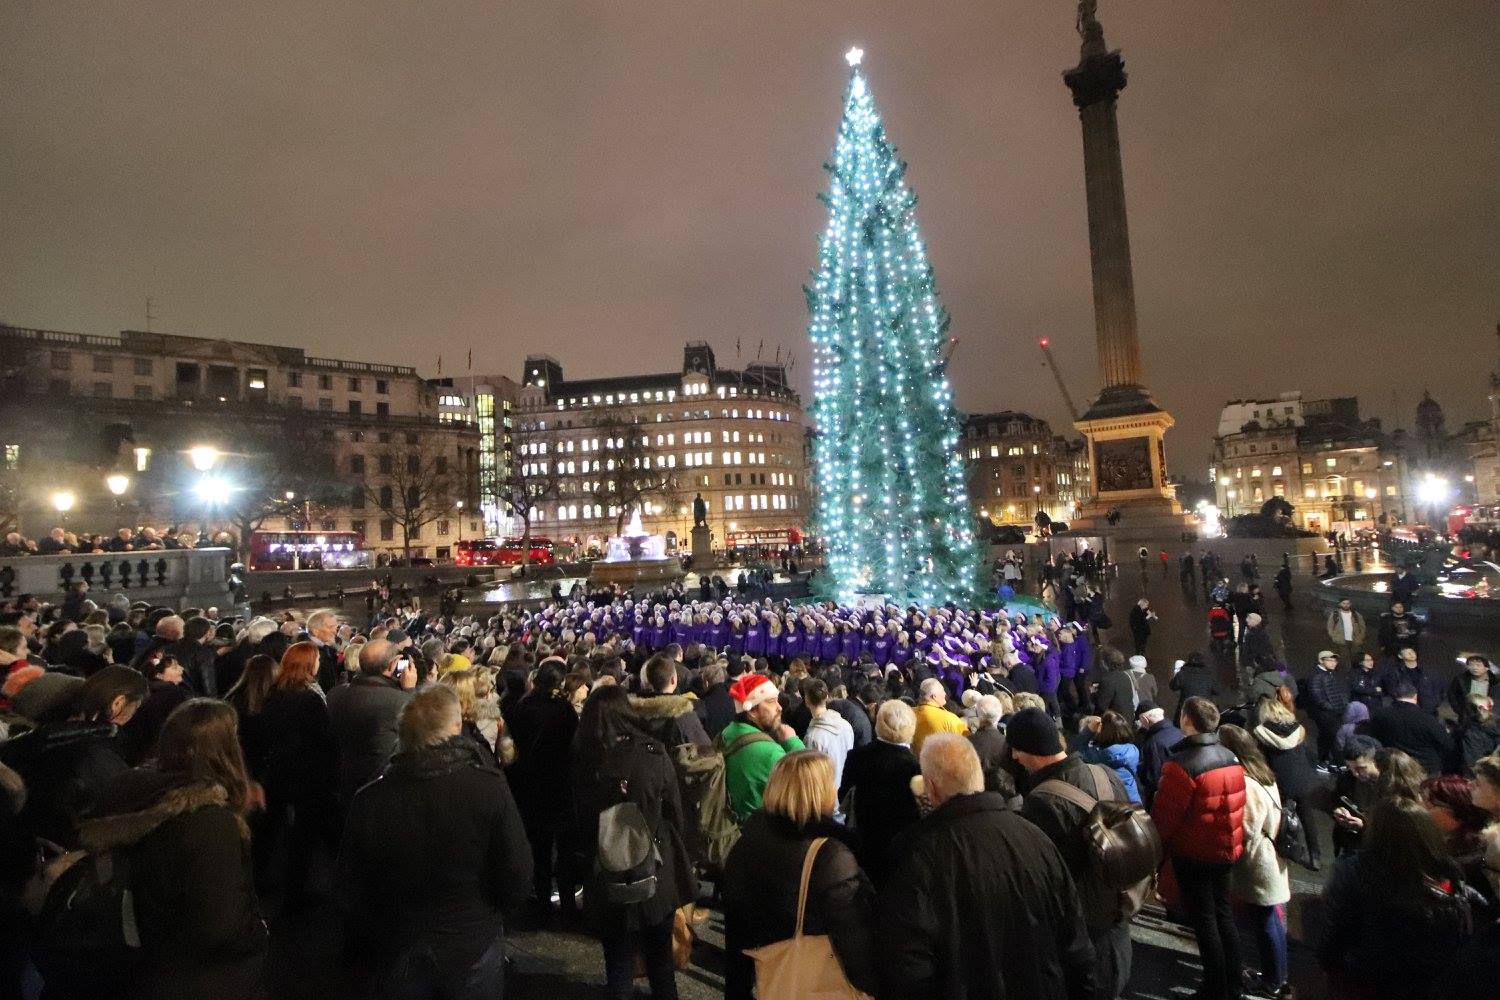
(487, 402)
(325, 444)
(1338, 471)
(735, 438)
(1018, 467)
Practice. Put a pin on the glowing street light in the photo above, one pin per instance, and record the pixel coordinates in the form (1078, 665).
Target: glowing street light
(1433, 490)
(203, 457)
(213, 490)
(63, 501)
(117, 483)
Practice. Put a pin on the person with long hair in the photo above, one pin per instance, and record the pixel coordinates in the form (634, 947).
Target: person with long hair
(247, 697)
(1450, 800)
(300, 778)
(183, 824)
(1396, 912)
(68, 764)
(1283, 741)
(1260, 876)
(616, 759)
(542, 728)
(763, 874)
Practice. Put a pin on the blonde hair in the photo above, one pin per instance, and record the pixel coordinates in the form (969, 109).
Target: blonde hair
(1272, 710)
(464, 683)
(1029, 699)
(895, 722)
(427, 718)
(801, 787)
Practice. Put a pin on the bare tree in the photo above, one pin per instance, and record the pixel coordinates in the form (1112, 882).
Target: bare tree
(418, 489)
(285, 472)
(638, 475)
(528, 486)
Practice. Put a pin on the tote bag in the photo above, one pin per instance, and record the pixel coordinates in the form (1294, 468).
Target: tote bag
(803, 967)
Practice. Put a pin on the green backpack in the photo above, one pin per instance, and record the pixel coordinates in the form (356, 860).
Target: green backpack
(705, 794)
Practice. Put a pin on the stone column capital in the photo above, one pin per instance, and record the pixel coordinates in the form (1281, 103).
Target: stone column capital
(1096, 78)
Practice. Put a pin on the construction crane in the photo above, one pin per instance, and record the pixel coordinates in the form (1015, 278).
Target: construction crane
(1046, 346)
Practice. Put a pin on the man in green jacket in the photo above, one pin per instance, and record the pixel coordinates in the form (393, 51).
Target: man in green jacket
(754, 742)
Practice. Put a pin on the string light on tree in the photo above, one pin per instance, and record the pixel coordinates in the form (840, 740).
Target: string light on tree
(892, 502)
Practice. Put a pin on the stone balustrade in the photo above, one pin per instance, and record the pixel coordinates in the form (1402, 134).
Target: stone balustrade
(177, 578)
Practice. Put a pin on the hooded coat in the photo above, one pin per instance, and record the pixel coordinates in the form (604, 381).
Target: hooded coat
(201, 931)
(671, 718)
(1285, 748)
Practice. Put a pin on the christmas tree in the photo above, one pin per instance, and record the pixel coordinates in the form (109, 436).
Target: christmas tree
(892, 507)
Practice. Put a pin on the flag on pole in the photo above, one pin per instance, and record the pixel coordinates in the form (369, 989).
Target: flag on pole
(471, 359)
(736, 348)
(761, 348)
(778, 354)
(440, 366)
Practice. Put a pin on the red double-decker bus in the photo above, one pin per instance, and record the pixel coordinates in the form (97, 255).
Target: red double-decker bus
(502, 552)
(308, 550)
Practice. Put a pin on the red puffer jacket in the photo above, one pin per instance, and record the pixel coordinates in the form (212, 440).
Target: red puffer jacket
(1199, 807)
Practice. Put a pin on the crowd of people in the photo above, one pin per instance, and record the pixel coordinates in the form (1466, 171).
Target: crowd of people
(61, 541)
(963, 802)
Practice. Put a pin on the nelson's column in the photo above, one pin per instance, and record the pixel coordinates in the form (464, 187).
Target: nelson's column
(1124, 425)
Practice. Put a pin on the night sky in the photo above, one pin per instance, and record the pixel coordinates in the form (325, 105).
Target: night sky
(1312, 186)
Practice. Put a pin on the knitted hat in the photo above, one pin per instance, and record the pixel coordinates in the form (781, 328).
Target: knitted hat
(751, 690)
(1033, 731)
(1137, 662)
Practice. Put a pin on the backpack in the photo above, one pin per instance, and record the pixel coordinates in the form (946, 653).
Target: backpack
(1291, 837)
(87, 941)
(702, 778)
(627, 856)
(1124, 847)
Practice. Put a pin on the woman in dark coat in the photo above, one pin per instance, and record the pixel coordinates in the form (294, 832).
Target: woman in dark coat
(878, 775)
(68, 765)
(764, 872)
(301, 768)
(1196, 679)
(1284, 742)
(138, 736)
(615, 760)
(542, 728)
(184, 825)
(1394, 917)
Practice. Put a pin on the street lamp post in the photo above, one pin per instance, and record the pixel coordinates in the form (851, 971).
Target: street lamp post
(460, 522)
(62, 502)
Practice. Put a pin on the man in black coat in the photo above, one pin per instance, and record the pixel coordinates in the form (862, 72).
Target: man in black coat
(1194, 679)
(1158, 737)
(1115, 691)
(1035, 745)
(433, 857)
(715, 708)
(1027, 939)
(1141, 617)
(364, 716)
(1405, 725)
(323, 630)
(1327, 697)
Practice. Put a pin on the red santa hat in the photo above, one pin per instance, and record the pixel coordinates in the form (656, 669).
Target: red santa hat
(751, 690)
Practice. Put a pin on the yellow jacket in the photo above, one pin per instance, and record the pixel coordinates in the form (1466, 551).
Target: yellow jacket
(931, 719)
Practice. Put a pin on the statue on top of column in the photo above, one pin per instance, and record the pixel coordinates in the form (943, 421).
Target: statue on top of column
(1089, 28)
